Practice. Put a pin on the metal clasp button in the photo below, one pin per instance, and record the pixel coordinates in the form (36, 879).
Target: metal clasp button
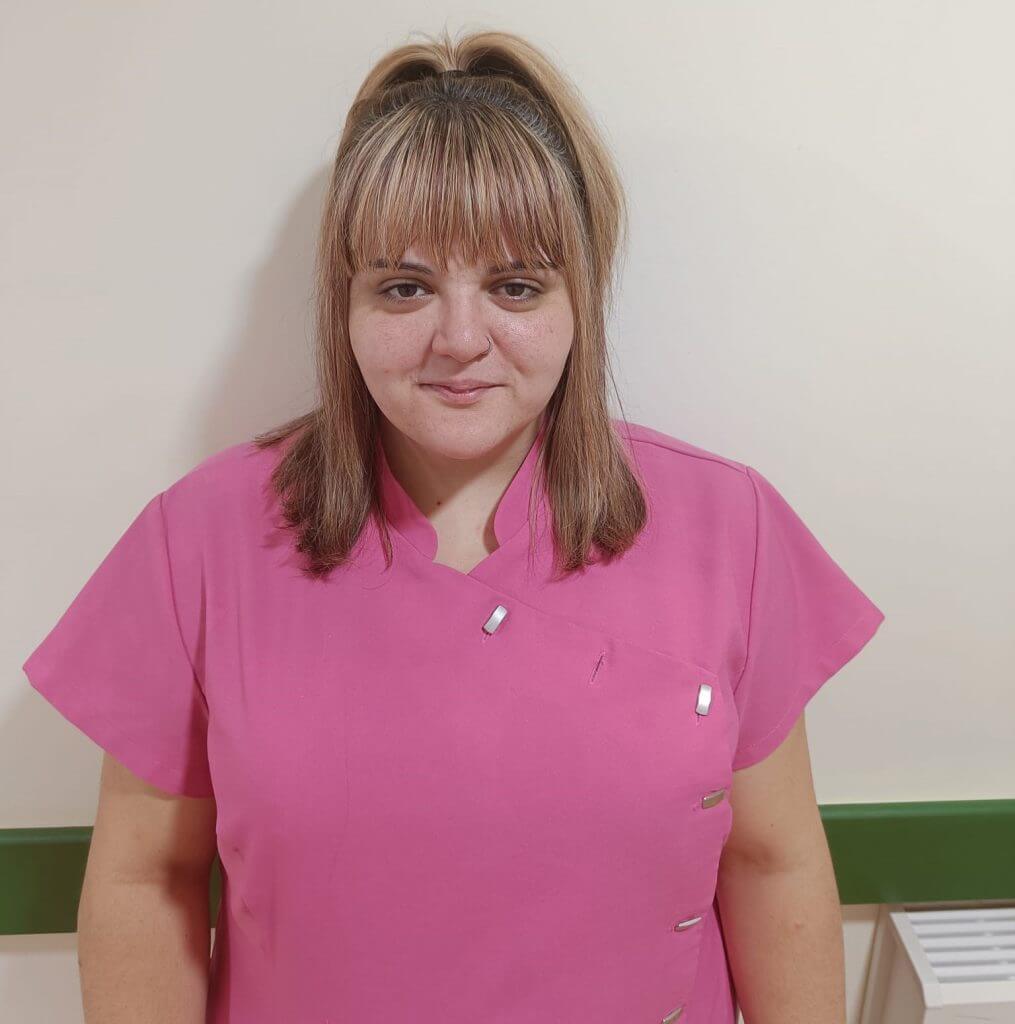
(672, 1015)
(681, 925)
(491, 624)
(704, 699)
(711, 799)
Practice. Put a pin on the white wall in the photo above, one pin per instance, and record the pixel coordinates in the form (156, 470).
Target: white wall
(819, 284)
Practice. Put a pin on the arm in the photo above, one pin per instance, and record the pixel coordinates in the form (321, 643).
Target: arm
(143, 923)
(777, 894)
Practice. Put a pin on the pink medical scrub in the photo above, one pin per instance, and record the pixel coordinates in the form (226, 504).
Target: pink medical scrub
(450, 797)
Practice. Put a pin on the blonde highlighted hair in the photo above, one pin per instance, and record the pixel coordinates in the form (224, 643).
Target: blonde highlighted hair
(500, 162)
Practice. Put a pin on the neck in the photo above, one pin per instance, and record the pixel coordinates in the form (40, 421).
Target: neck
(457, 486)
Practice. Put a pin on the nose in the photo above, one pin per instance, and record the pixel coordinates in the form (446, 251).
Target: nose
(462, 331)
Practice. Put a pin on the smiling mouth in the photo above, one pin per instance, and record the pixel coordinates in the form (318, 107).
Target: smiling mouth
(461, 393)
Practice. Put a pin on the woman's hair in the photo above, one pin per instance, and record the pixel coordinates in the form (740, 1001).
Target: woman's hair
(503, 153)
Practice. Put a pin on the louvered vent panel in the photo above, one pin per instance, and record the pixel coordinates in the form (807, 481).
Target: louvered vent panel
(947, 965)
(967, 945)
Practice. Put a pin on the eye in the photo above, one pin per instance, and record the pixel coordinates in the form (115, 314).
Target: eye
(530, 291)
(533, 292)
(401, 298)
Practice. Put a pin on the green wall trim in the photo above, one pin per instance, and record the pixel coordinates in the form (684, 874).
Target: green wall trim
(931, 851)
(927, 851)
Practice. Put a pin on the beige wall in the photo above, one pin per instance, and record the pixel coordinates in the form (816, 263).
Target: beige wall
(819, 284)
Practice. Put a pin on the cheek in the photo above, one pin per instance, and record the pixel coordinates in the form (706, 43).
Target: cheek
(539, 342)
(383, 348)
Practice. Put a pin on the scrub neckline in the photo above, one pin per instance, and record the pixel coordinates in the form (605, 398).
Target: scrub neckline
(510, 516)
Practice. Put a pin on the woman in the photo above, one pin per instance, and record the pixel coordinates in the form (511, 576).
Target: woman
(460, 677)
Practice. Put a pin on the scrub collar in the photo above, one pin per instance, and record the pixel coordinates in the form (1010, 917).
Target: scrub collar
(405, 516)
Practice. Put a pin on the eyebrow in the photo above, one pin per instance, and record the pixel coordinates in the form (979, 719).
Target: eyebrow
(422, 268)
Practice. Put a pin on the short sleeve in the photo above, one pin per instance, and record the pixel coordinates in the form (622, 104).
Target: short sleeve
(116, 665)
(807, 619)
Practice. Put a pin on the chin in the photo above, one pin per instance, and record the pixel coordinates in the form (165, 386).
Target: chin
(462, 437)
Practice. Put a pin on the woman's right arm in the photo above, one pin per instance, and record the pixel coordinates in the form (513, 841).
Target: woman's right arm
(143, 923)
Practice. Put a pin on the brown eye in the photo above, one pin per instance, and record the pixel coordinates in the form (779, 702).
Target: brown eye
(401, 298)
(520, 284)
(393, 293)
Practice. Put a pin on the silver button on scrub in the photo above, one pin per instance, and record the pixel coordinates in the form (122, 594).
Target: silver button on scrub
(496, 618)
(672, 1015)
(704, 699)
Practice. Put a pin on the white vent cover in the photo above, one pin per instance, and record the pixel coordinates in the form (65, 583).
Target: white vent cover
(967, 946)
(945, 966)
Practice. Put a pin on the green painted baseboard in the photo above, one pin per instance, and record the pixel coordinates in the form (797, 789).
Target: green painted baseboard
(883, 853)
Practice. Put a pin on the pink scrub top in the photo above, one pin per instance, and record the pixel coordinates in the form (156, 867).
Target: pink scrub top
(447, 796)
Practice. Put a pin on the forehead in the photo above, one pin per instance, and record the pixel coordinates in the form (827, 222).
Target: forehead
(447, 241)
(417, 260)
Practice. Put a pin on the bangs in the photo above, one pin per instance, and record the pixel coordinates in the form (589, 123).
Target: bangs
(458, 180)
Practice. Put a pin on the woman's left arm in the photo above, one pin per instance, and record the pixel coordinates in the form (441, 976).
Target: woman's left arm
(777, 894)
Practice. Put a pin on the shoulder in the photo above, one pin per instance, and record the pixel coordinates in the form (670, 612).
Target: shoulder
(226, 489)
(650, 440)
(676, 471)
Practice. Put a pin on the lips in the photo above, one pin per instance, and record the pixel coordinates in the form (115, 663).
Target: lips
(459, 393)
